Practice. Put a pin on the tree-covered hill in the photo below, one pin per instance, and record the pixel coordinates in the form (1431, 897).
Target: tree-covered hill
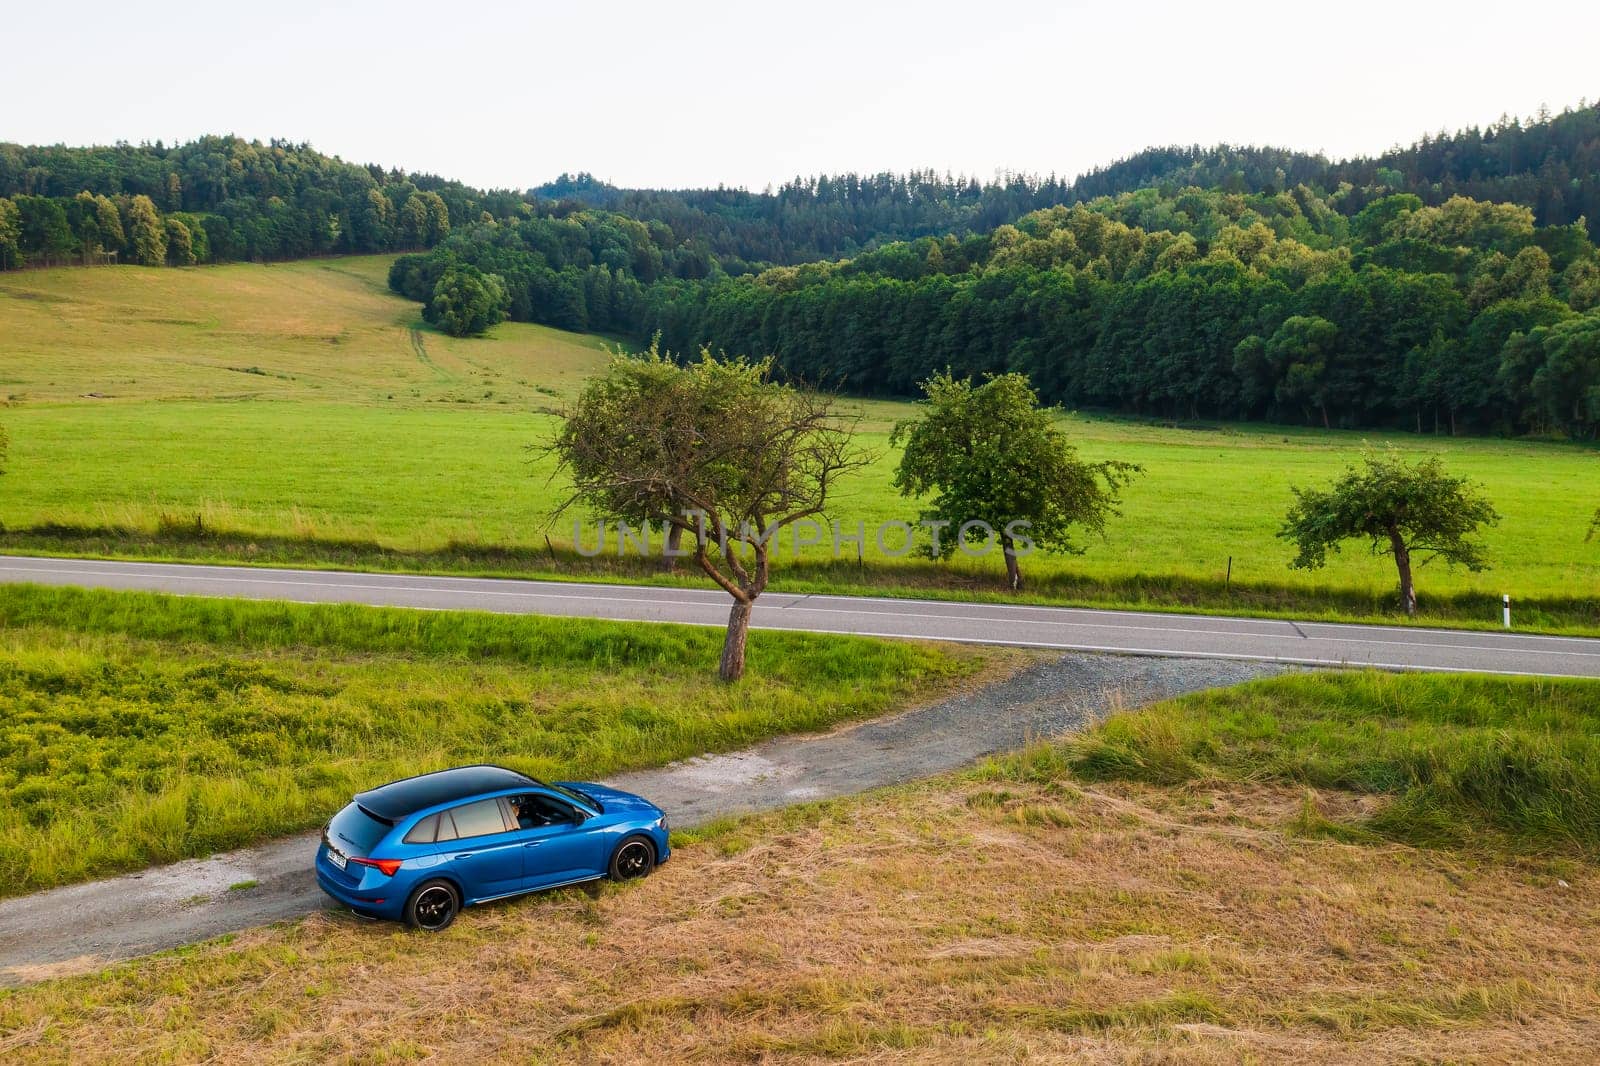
(217, 199)
(1550, 164)
(1466, 316)
(223, 198)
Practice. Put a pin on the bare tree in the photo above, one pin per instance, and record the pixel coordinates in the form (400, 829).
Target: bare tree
(718, 451)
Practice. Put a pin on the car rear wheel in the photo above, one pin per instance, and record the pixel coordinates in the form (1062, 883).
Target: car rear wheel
(633, 858)
(433, 906)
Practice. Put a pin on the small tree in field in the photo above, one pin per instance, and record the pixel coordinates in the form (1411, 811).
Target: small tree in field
(630, 386)
(716, 449)
(1402, 509)
(989, 453)
(466, 301)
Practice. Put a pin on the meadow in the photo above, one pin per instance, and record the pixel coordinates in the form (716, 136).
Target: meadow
(1455, 760)
(1256, 906)
(143, 729)
(300, 413)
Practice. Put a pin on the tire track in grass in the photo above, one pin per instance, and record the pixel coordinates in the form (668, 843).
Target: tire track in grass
(419, 345)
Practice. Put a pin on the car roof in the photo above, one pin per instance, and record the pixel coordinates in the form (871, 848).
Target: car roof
(400, 798)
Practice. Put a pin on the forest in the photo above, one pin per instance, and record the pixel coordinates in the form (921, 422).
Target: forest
(1549, 163)
(217, 199)
(1449, 286)
(1465, 317)
(245, 200)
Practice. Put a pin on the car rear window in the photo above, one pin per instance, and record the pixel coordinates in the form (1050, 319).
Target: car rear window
(478, 819)
(355, 831)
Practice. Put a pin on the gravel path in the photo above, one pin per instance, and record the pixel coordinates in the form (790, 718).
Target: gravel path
(84, 927)
(1049, 699)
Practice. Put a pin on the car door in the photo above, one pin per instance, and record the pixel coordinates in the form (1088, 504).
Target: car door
(484, 853)
(563, 850)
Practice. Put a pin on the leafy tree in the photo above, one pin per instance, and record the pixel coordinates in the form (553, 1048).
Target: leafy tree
(415, 221)
(1375, 222)
(1567, 386)
(628, 385)
(180, 243)
(199, 239)
(95, 224)
(1402, 509)
(1299, 351)
(1580, 283)
(46, 236)
(373, 222)
(147, 236)
(718, 449)
(437, 226)
(109, 223)
(466, 301)
(989, 453)
(10, 235)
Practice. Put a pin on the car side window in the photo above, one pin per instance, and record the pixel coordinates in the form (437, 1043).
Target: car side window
(447, 827)
(424, 831)
(478, 819)
(535, 810)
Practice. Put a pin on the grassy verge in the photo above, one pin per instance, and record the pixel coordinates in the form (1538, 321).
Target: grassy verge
(143, 728)
(1018, 912)
(186, 540)
(1451, 759)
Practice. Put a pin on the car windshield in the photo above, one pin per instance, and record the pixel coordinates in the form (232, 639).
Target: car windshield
(356, 832)
(575, 794)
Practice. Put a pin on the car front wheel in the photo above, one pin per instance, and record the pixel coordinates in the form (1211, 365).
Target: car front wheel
(433, 906)
(633, 858)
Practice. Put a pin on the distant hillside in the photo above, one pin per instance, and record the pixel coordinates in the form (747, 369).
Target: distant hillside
(1177, 301)
(217, 199)
(1550, 164)
(223, 198)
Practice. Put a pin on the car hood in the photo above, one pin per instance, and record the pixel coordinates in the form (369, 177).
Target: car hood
(615, 800)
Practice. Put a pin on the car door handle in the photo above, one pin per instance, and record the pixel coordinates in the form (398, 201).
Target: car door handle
(533, 843)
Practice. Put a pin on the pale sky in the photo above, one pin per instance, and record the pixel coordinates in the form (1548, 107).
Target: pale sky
(680, 93)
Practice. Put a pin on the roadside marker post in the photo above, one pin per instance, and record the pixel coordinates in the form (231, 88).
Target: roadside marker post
(1505, 607)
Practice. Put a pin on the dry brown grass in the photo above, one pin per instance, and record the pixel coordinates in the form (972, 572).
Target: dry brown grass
(321, 330)
(954, 921)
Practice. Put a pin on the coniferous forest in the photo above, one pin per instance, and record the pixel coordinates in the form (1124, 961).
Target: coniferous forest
(1450, 286)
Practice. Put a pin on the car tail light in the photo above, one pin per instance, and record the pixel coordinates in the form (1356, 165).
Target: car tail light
(386, 867)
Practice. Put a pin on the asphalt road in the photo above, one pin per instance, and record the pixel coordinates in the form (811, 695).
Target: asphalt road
(80, 928)
(1057, 628)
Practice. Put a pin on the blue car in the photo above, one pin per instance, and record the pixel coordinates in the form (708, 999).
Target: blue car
(419, 850)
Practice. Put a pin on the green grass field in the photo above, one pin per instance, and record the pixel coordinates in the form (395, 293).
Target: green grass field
(305, 414)
(1453, 760)
(143, 729)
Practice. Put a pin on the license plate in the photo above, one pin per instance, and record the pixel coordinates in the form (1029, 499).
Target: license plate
(337, 859)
